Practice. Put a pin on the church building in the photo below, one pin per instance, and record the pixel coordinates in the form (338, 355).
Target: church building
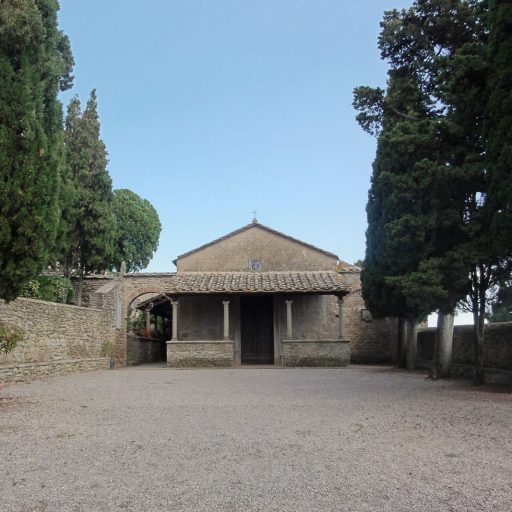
(257, 296)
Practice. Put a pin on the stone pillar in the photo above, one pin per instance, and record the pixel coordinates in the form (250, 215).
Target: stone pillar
(174, 303)
(226, 319)
(289, 326)
(147, 332)
(341, 323)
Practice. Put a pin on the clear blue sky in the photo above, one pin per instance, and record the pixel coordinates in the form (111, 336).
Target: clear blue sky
(211, 109)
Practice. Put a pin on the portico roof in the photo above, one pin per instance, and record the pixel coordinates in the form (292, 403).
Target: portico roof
(210, 283)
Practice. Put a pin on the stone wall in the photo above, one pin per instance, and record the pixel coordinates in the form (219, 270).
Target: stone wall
(202, 318)
(274, 251)
(316, 353)
(30, 371)
(497, 351)
(189, 354)
(372, 341)
(141, 350)
(57, 334)
(314, 317)
(90, 285)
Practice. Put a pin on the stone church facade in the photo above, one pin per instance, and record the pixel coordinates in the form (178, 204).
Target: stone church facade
(256, 296)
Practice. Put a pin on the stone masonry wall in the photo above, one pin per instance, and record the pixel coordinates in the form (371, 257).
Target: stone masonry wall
(142, 350)
(316, 353)
(314, 317)
(372, 341)
(497, 350)
(56, 333)
(188, 354)
(276, 253)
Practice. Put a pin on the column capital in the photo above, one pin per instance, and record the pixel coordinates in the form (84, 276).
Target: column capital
(225, 302)
(289, 301)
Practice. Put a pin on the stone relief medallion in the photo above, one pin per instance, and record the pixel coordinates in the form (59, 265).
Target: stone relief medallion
(366, 315)
(255, 265)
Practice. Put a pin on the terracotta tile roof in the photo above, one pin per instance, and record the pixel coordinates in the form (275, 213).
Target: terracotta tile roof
(257, 282)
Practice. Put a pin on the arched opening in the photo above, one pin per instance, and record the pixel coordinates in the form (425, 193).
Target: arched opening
(148, 327)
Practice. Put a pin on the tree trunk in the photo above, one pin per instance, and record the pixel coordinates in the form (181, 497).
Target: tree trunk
(442, 358)
(80, 288)
(412, 343)
(401, 346)
(478, 347)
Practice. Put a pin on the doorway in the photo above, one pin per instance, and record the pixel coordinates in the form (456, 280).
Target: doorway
(257, 329)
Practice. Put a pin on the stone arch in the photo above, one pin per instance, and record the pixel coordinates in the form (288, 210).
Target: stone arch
(132, 287)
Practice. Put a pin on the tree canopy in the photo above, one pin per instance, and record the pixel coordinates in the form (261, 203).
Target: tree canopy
(35, 63)
(137, 230)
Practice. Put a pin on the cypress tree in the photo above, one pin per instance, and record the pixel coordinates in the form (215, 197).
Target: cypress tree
(498, 124)
(35, 62)
(88, 243)
(401, 221)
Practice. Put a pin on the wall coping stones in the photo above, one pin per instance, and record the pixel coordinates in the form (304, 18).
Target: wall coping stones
(55, 304)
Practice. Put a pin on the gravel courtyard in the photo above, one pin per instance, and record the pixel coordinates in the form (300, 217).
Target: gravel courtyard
(358, 439)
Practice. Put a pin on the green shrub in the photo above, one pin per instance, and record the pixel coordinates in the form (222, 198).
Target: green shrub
(10, 337)
(50, 288)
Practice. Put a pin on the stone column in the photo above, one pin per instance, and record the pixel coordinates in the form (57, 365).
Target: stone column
(174, 303)
(341, 323)
(289, 326)
(147, 332)
(226, 319)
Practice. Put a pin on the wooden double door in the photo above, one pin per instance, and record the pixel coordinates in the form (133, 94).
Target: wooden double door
(257, 329)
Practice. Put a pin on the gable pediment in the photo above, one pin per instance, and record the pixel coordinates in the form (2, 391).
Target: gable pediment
(256, 248)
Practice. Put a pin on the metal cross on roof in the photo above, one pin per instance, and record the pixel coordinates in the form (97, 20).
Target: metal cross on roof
(254, 219)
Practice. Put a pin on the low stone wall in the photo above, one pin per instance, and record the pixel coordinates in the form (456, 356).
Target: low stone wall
(141, 350)
(189, 354)
(29, 371)
(56, 335)
(315, 352)
(497, 351)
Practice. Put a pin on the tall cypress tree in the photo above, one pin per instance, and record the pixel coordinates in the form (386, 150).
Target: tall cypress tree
(498, 123)
(87, 245)
(444, 45)
(401, 219)
(35, 62)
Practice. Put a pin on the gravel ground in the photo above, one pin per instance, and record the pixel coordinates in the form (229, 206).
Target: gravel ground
(358, 439)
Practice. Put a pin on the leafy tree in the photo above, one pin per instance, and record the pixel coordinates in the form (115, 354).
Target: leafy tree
(137, 230)
(35, 63)
(87, 242)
